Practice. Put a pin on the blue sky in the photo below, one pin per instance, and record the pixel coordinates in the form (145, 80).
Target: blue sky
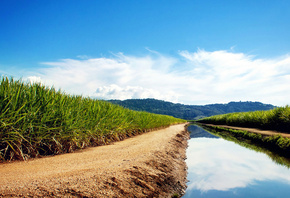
(192, 52)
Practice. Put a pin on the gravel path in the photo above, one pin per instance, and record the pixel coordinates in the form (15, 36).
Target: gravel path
(253, 130)
(143, 166)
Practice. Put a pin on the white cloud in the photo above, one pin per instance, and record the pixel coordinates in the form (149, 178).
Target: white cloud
(132, 92)
(121, 77)
(237, 76)
(199, 77)
(34, 79)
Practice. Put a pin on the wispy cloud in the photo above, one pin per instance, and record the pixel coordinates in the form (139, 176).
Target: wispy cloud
(191, 77)
(238, 76)
(122, 93)
(121, 77)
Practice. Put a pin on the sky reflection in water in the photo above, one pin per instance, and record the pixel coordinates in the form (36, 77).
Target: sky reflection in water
(220, 168)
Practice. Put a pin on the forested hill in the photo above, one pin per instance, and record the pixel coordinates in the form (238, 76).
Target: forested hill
(189, 112)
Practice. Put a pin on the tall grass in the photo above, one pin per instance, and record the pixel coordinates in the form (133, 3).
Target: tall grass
(275, 119)
(36, 120)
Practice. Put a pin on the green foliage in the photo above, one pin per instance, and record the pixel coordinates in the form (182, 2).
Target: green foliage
(275, 119)
(189, 112)
(37, 120)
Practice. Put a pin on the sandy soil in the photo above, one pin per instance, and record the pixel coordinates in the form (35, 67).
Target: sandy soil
(253, 130)
(148, 165)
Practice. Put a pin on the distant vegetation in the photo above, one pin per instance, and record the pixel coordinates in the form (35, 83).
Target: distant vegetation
(190, 112)
(275, 119)
(36, 120)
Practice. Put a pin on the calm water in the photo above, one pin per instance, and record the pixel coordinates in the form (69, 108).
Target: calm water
(221, 168)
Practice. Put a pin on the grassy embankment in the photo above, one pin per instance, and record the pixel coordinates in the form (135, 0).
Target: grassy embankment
(275, 119)
(253, 143)
(36, 120)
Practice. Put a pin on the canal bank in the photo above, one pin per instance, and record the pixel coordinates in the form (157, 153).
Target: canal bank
(275, 142)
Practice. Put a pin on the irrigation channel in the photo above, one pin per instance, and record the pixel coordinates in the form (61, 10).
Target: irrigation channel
(223, 168)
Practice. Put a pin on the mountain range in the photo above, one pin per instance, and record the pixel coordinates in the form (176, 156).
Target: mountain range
(189, 112)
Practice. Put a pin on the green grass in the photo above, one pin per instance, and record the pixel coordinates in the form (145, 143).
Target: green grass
(275, 119)
(36, 120)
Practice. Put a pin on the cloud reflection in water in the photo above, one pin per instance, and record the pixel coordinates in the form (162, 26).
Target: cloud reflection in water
(217, 164)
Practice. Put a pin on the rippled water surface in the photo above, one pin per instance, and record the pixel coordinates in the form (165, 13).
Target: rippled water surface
(221, 168)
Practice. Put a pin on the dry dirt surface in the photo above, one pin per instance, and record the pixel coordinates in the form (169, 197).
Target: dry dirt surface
(147, 165)
(253, 130)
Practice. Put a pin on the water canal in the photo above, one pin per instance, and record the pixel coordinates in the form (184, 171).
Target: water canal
(221, 168)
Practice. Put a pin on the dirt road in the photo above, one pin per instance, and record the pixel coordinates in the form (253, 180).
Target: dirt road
(148, 165)
(253, 130)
